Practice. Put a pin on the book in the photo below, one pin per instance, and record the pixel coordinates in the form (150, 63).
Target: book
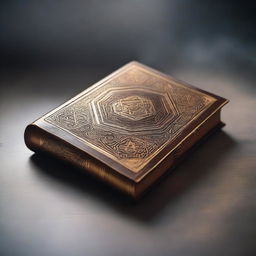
(129, 128)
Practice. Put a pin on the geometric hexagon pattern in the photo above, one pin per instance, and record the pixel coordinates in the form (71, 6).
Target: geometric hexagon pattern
(131, 117)
(134, 107)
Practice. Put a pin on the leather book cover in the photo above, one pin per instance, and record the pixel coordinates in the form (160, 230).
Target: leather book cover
(129, 128)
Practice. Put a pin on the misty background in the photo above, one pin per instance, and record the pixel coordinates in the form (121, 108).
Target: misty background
(164, 34)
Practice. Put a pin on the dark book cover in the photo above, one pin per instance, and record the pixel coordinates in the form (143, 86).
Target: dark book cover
(129, 128)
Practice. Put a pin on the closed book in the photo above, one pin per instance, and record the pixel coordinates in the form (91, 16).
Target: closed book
(129, 128)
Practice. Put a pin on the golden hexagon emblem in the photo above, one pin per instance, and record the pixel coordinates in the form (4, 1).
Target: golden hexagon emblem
(134, 109)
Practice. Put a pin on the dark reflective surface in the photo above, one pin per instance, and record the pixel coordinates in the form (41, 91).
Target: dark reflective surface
(52, 51)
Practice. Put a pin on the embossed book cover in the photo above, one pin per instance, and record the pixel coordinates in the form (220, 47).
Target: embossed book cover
(129, 128)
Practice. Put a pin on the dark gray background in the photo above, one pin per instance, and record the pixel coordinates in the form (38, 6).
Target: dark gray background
(50, 51)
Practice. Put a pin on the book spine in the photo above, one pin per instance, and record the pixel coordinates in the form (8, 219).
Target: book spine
(40, 141)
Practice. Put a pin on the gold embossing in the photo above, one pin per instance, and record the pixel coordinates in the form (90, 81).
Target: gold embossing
(131, 117)
(134, 107)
